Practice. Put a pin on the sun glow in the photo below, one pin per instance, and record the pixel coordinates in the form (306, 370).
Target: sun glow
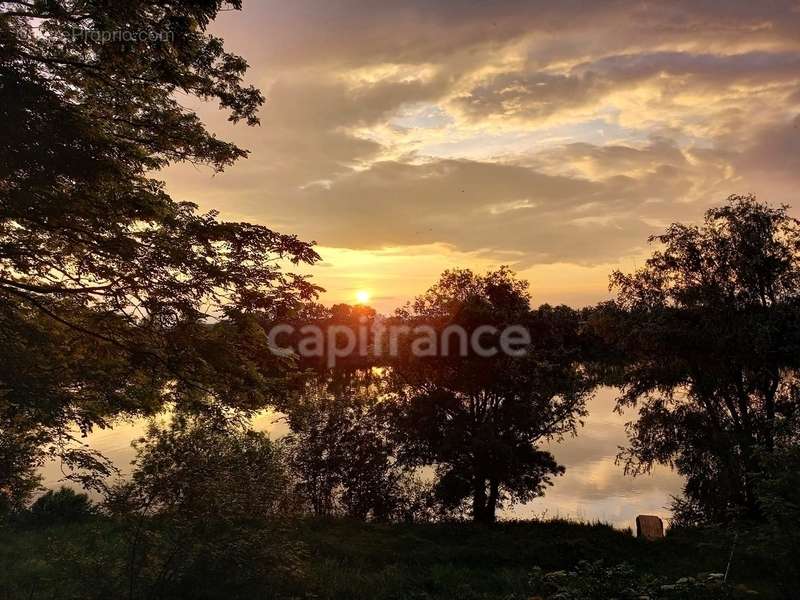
(362, 296)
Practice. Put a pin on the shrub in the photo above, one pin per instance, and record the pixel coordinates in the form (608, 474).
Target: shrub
(595, 581)
(61, 506)
(777, 538)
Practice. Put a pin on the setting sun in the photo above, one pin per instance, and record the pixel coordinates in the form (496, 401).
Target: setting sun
(362, 296)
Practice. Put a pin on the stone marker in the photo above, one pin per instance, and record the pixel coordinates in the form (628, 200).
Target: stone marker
(649, 527)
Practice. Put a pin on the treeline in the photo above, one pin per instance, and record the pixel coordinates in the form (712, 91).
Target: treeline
(702, 343)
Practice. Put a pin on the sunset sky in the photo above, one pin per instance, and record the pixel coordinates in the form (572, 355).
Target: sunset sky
(551, 136)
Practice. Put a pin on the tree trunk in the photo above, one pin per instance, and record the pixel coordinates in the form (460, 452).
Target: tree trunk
(769, 404)
(491, 505)
(479, 500)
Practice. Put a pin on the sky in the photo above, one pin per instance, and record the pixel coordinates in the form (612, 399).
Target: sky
(555, 137)
(410, 137)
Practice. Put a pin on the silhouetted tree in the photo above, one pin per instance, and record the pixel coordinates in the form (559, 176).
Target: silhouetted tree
(479, 419)
(339, 326)
(341, 448)
(778, 538)
(63, 505)
(709, 334)
(107, 285)
(202, 509)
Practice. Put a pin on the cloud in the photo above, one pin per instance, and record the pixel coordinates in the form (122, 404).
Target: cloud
(774, 149)
(333, 32)
(531, 133)
(662, 78)
(522, 212)
(604, 209)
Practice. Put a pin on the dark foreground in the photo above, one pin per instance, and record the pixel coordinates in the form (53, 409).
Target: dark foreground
(346, 560)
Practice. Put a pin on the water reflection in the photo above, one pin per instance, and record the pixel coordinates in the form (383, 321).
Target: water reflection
(594, 487)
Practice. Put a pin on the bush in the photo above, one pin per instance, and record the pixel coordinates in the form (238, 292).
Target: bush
(61, 506)
(777, 538)
(204, 469)
(594, 581)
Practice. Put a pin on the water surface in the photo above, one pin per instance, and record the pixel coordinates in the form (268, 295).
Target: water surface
(593, 488)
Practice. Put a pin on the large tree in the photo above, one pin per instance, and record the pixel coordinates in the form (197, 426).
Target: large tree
(479, 420)
(113, 296)
(707, 343)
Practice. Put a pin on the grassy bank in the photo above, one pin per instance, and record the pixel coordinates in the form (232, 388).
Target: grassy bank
(338, 559)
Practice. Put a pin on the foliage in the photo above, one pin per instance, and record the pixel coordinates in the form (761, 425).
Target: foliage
(416, 501)
(63, 505)
(94, 560)
(779, 496)
(19, 460)
(350, 560)
(707, 343)
(109, 289)
(202, 467)
(478, 419)
(595, 581)
(340, 447)
(202, 513)
(329, 350)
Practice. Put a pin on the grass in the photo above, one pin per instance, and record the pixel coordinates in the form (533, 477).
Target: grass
(340, 559)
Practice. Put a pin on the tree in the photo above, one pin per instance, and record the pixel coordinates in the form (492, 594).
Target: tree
(707, 332)
(479, 419)
(114, 298)
(777, 539)
(341, 448)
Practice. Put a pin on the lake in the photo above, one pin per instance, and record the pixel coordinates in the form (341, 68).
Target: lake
(593, 487)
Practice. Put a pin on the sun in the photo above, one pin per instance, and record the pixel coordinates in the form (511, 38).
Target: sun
(362, 296)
